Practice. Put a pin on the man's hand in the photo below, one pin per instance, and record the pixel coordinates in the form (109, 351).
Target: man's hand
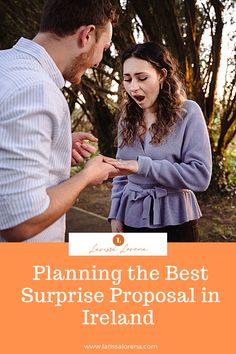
(124, 167)
(98, 171)
(80, 149)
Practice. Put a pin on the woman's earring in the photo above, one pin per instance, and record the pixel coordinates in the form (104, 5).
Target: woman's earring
(161, 85)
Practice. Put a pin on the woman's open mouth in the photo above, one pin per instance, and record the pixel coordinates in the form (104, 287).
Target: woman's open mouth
(139, 98)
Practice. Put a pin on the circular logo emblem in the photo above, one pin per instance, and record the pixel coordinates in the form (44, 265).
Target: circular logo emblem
(118, 240)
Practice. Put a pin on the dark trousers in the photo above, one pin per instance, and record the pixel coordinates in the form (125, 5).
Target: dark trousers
(187, 232)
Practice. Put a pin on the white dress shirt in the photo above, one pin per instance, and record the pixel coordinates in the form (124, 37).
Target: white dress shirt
(35, 136)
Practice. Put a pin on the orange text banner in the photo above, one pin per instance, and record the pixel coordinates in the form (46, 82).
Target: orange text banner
(180, 303)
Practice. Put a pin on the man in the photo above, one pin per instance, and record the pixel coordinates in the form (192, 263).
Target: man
(35, 131)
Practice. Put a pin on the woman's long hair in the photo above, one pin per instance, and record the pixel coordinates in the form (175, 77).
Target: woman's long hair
(169, 102)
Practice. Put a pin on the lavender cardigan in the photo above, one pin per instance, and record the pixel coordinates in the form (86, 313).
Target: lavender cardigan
(161, 192)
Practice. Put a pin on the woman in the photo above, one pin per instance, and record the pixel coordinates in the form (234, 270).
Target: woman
(163, 150)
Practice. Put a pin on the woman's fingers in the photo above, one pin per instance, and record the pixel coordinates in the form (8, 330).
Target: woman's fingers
(109, 159)
(117, 226)
(125, 166)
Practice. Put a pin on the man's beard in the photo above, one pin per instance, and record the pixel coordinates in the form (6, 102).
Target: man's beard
(78, 66)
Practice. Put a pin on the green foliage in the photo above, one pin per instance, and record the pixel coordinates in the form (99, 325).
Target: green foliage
(75, 169)
(231, 165)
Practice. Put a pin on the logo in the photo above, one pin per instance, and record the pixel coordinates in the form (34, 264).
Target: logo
(118, 240)
(112, 244)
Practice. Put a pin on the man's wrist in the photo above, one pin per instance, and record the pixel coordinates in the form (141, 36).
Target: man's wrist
(83, 178)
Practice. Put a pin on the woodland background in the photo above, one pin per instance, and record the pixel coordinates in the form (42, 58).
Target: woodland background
(200, 34)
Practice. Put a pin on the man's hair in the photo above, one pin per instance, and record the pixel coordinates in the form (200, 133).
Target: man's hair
(64, 17)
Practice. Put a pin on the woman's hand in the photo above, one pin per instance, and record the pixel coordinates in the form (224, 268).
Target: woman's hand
(125, 167)
(80, 148)
(117, 226)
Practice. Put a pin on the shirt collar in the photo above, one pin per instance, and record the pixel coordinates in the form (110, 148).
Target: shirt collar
(41, 55)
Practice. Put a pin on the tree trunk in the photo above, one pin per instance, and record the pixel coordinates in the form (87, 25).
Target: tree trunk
(216, 54)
